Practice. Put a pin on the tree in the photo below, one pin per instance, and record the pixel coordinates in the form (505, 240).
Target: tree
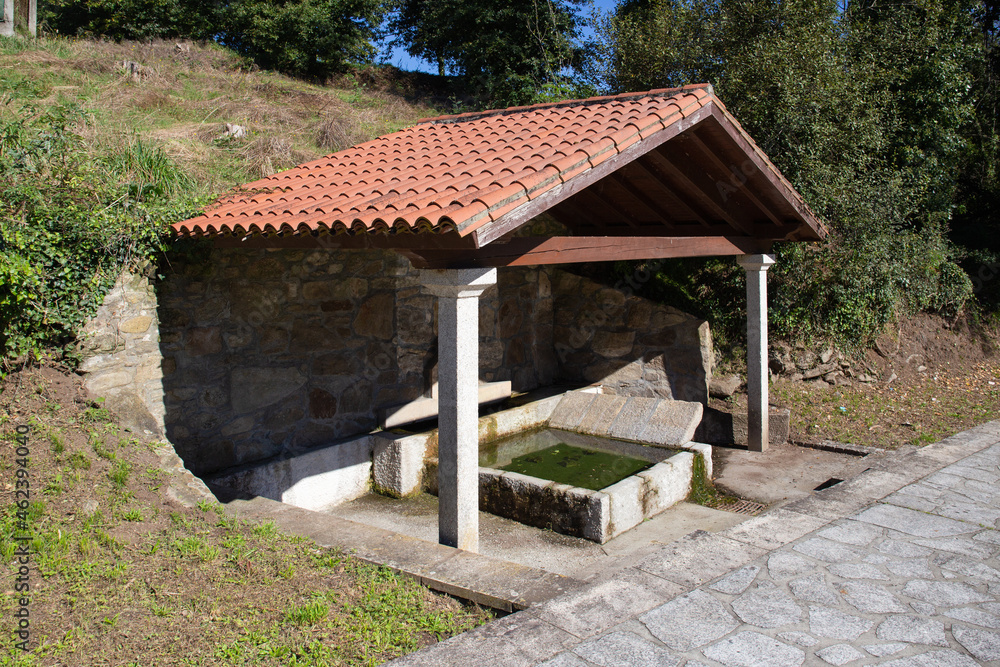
(862, 106)
(507, 53)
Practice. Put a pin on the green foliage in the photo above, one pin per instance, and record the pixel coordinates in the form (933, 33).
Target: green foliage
(866, 112)
(313, 38)
(69, 223)
(306, 37)
(506, 53)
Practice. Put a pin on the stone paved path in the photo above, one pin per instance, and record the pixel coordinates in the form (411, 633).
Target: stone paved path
(897, 567)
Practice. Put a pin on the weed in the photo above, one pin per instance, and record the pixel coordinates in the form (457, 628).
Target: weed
(58, 446)
(134, 515)
(266, 529)
(310, 613)
(119, 474)
(97, 443)
(79, 461)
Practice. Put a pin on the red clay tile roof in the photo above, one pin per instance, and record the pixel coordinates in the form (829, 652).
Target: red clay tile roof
(453, 172)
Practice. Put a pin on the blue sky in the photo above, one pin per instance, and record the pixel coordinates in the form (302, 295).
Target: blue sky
(402, 60)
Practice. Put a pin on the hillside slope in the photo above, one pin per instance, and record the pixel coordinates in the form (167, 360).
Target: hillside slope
(182, 96)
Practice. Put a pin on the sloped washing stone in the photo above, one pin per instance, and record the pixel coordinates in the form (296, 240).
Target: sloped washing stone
(752, 649)
(601, 414)
(571, 409)
(689, 621)
(672, 423)
(625, 648)
(633, 417)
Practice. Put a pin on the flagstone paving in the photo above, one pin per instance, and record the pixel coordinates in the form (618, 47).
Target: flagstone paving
(907, 575)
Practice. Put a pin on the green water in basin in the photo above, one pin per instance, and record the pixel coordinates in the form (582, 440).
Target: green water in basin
(576, 466)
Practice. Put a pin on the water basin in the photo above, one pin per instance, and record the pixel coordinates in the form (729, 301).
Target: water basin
(570, 458)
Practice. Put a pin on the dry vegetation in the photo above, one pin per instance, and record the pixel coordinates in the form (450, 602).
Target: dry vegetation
(182, 96)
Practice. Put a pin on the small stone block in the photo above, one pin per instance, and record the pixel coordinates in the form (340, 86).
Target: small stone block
(571, 410)
(633, 418)
(752, 649)
(672, 423)
(601, 414)
(689, 621)
(840, 654)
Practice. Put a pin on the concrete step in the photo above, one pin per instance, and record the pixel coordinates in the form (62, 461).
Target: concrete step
(481, 579)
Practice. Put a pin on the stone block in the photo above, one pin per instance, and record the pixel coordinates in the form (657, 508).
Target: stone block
(571, 409)
(626, 504)
(398, 463)
(689, 621)
(201, 341)
(672, 423)
(375, 317)
(592, 609)
(254, 388)
(136, 325)
(612, 345)
(666, 483)
(601, 414)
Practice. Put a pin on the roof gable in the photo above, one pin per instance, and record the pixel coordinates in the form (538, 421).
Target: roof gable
(483, 175)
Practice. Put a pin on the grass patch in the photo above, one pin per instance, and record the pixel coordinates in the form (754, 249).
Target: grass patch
(121, 570)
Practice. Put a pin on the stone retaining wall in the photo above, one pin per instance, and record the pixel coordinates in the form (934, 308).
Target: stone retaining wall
(629, 344)
(240, 356)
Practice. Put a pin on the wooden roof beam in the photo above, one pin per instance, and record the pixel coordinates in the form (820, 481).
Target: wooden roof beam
(701, 188)
(538, 251)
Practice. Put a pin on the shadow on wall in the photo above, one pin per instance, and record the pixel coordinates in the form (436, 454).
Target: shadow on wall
(245, 356)
(275, 353)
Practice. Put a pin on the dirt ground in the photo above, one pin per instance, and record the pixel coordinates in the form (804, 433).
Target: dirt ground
(934, 377)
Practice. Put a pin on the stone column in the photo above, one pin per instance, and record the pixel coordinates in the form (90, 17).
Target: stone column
(458, 293)
(756, 267)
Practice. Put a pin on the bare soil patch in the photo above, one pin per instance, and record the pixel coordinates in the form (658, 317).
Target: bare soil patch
(935, 377)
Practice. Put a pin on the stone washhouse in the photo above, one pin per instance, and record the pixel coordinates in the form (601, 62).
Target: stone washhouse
(418, 274)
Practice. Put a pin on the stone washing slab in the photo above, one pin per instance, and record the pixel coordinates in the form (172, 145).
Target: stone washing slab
(650, 421)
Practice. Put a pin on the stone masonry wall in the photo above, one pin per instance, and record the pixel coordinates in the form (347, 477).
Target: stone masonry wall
(121, 351)
(267, 353)
(630, 345)
(239, 356)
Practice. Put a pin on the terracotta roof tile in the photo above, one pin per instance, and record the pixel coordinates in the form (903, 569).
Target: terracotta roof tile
(451, 172)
